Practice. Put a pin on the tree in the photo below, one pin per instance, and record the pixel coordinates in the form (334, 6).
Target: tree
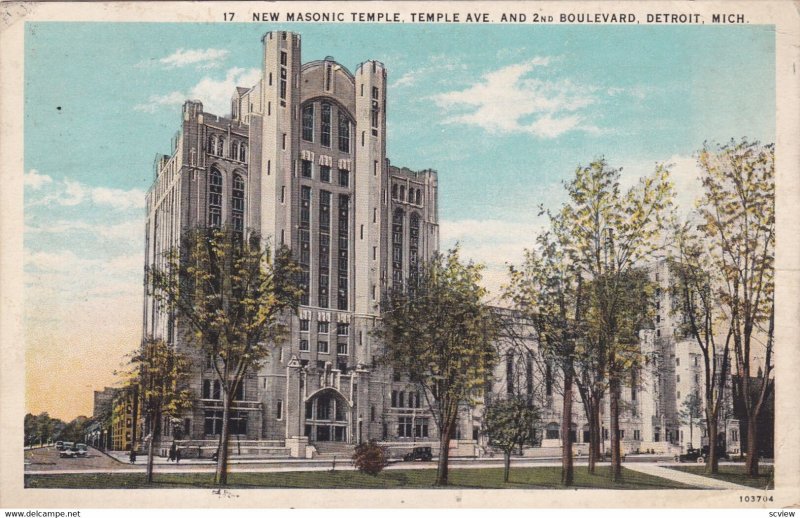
(370, 458)
(701, 316)
(509, 423)
(547, 289)
(691, 413)
(232, 299)
(159, 373)
(607, 235)
(738, 212)
(438, 331)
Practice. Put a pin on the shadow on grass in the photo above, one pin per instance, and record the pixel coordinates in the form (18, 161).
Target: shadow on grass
(468, 478)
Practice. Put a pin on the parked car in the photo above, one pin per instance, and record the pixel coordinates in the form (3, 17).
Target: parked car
(693, 455)
(419, 453)
(71, 451)
(59, 445)
(81, 450)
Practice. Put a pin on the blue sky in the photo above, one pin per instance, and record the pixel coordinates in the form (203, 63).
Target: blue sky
(504, 113)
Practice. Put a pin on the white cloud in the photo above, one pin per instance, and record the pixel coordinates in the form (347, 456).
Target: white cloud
(69, 193)
(36, 180)
(511, 100)
(203, 58)
(126, 230)
(215, 94)
(436, 64)
(61, 261)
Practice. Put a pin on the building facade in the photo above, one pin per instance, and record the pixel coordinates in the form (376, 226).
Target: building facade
(301, 159)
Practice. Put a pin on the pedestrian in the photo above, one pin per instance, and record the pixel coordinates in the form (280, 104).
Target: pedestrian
(172, 452)
(177, 455)
(133, 456)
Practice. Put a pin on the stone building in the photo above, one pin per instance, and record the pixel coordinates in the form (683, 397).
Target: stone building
(301, 159)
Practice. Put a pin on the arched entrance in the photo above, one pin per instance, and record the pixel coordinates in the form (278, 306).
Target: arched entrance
(328, 416)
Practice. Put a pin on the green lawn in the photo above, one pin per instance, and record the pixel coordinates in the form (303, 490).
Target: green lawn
(736, 475)
(487, 478)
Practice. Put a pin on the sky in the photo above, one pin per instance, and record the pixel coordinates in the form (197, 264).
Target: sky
(504, 113)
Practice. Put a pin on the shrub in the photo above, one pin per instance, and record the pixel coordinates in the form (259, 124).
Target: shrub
(370, 458)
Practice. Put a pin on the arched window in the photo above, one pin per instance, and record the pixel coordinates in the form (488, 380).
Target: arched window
(212, 144)
(344, 133)
(308, 122)
(325, 126)
(419, 197)
(235, 149)
(243, 153)
(214, 198)
(402, 193)
(221, 147)
(237, 203)
(551, 432)
(394, 191)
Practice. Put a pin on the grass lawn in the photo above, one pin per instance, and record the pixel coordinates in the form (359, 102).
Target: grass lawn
(486, 478)
(736, 474)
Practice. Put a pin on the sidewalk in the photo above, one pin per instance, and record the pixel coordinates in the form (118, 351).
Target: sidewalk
(698, 481)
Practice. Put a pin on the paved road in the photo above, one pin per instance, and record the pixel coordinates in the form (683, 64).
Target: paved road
(46, 461)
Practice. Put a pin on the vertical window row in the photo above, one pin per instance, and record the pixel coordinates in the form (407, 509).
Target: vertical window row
(305, 241)
(308, 122)
(237, 203)
(344, 133)
(284, 74)
(397, 248)
(413, 246)
(344, 226)
(325, 127)
(324, 247)
(214, 198)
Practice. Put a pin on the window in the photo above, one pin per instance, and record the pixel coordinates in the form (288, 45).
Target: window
(212, 422)
(215, 198)
(234, 150)
(419, 197)
(344, 177)
(343, 272)
(679, 395)
(637, 435)
(341, 348)
(304, 324)
(404, 427)
(622, 434)
(509, 374)
(325, 173)
(237, 202)
(305, 168)
(344, 133)
(211, 145)
(421, 427)
(322, 347)
(322, 327)
(342, 329)
(221, 147)
(284, 58)
(304, 345)
(394, 399)
(211, 389)
(677, 361)
(394, 191)
(308, 122)
(324, 248)
(397, 247)
(678, 378)
(548, 380)
(243, 153)
(279, 410)
(325, 127)
(552, 430)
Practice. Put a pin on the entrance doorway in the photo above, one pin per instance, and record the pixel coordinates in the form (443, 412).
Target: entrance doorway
(327, 417)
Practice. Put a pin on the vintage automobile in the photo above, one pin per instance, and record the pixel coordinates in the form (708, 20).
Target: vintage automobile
(72, 450)
(59, 445)
(693, 455)
(419, 453)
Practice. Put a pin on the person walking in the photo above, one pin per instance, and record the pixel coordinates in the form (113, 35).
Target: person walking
(132, 457)
(177, 455)
(172, 452)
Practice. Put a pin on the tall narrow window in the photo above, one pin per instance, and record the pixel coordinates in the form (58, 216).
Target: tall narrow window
(413, 246)
(305, 241)
(397, 248)
(308, 122)
(243, 153)
(344, 133)
(509, 374)
(305, 168)
(212, 144)
(325, 173)
(343, 257)
(344, 177)
(237, 203)
(214, 198)
(235, 150)
(221, 147)
(325, 127)
(324, 247)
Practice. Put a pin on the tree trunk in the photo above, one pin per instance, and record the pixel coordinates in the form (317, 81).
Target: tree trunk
(221, 476)
(594, 435)
(134, 416)
(713, 457)
(444, 451)
(567, 475)
(507, 465)
(616, 457)
(155, 431)
(752, 447)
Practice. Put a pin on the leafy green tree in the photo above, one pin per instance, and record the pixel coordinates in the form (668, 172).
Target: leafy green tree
(439, 331)
(232, 297)
(607, 235)
(738, 213)
(691, 413)
(509, 423)
(370, 458)
(159, 373)
(701, 318)
(548, 290)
